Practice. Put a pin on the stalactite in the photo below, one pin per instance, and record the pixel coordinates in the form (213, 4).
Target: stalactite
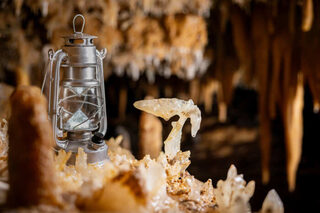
(307, 15)
(226, 78)
(208, 89)
(293, 122)
(194, 90)
(275, 79)
(123, 98)
(241, 39)
(292, 16)
(309, 58)
(292, 96)
(287, 93)
(260, 37)
(224, 10)
(225, 68)
(168, 92)
(152, 90)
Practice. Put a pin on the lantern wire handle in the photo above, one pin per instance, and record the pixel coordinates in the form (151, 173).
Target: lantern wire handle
(74, 23)
(47, 68)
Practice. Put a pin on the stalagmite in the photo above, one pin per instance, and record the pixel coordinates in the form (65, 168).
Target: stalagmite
(126, 140)
(150, 135)
(260, 38)
(223, 110)
(22, 78)
(31, 167)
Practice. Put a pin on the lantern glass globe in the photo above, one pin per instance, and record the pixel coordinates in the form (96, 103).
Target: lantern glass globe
(80, 108)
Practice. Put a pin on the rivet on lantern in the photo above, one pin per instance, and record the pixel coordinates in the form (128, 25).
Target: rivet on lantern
(76, 96)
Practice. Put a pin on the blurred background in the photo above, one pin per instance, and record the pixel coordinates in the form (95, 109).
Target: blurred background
(250, 65)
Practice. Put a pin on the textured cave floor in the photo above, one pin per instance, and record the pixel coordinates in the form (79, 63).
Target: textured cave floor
(212, 159)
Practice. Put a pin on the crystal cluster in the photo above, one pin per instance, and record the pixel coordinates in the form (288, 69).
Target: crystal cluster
(156, 185)
(125, 184)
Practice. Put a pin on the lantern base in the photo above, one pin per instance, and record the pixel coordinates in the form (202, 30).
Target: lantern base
(96, 156)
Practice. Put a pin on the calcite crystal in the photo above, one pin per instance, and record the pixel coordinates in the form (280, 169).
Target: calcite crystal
(167, 108)
(272, 203)
(234, 192)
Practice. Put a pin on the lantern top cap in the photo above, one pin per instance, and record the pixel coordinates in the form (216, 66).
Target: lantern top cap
(78, 35)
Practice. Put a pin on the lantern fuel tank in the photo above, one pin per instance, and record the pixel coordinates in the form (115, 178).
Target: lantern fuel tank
(76, 96)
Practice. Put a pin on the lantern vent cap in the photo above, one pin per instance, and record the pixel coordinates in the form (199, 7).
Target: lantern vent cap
(78, 37)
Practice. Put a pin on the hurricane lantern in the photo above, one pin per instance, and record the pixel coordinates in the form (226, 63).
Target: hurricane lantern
(76, 96)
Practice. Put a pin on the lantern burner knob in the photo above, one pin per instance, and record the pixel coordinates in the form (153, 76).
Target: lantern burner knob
(98, 138)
